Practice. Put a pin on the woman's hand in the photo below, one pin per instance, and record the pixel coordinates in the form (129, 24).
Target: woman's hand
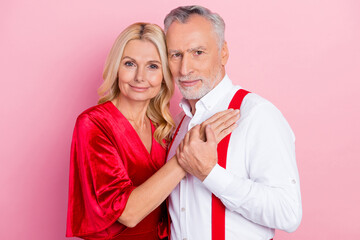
(197, 152)
(222, 123)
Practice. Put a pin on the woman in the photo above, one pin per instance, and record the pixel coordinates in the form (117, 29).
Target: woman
(118, 176)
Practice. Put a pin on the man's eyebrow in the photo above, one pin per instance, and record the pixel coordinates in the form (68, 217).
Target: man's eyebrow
(196, 49)
(170, 51)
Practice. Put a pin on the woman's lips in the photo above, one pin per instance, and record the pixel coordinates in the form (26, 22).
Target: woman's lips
(139, 89)
(189, 83)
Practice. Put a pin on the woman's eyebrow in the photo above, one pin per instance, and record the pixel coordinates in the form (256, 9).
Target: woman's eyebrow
(155, 61)
(128, 57)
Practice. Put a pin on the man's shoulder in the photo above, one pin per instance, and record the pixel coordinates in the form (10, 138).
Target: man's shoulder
(254, 103)
(253, 100)
(260, 110)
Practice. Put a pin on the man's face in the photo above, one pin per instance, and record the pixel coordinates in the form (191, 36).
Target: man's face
(195, 61)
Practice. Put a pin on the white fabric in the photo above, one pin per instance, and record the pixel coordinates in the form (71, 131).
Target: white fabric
(260, 185)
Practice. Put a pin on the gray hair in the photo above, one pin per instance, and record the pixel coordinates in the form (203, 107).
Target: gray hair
(183, 13)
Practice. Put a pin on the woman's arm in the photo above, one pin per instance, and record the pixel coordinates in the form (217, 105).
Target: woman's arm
(149, 195)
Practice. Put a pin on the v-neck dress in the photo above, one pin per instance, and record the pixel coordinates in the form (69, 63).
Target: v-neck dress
(108, 160)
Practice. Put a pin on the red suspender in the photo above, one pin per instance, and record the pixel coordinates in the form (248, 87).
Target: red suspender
(218, 209)
(176, 132)
(167, 199)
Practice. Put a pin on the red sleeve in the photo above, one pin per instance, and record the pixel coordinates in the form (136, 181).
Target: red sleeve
(99, 185)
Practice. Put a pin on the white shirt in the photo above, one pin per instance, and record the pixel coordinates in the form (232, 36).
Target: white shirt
(260, 185)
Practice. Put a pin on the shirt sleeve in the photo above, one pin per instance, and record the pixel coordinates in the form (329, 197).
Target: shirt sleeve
(99, 185)
(270, 195)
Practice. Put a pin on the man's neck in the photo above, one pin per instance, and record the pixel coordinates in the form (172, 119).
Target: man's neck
(192, 103)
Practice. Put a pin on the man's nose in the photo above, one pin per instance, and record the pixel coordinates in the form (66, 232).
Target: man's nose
(186, 66)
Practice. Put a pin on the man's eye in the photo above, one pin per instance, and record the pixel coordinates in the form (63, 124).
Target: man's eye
(129, 64)
(176, 55)
(199, 52)
(153, 66)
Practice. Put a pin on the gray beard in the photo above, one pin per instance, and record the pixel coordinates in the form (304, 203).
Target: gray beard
(190, 94)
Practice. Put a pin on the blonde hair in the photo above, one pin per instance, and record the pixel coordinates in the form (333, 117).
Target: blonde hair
(158, 109)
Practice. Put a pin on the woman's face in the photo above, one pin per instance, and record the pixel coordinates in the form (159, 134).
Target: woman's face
(140, 71)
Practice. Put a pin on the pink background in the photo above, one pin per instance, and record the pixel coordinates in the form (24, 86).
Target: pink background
(304, 56)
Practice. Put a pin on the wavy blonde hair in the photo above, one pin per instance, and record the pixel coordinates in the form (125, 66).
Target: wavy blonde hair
(158, 109)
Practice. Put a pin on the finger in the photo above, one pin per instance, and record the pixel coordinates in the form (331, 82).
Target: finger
(220, 126)
(194, 133)
(218, 115)
(230, 129)
(225, 132)
(178, 156)
(216, 119)
(202, 134)
(178, 153)
(210, 136)
(231, 120)
(186, 137)
(181, 145)
(225, 120)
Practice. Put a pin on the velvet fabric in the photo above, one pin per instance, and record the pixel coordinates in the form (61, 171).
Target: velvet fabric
(108, 161)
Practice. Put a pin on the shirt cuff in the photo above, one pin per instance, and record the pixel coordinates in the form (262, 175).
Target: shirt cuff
(218, 180)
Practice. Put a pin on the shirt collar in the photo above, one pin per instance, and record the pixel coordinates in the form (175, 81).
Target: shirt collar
(211, 98)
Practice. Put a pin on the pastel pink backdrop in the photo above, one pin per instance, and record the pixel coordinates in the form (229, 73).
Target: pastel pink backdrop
(304, 56)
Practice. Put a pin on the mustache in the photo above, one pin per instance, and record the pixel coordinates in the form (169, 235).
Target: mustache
(188, 78)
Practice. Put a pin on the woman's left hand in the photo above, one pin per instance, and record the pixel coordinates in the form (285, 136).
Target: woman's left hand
(197, 152)
(222, 123)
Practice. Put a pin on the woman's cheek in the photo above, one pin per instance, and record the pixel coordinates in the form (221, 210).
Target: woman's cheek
(126, 75)
(156, 79)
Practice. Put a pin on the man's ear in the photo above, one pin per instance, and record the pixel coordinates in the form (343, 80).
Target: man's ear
(224, 54)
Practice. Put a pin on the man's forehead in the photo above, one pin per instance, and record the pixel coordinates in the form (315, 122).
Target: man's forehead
(193, 22)
(196, 32)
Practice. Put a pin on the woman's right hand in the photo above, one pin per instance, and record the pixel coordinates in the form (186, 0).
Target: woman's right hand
(222, 123)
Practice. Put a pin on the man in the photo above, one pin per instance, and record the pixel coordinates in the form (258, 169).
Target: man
(259, 186)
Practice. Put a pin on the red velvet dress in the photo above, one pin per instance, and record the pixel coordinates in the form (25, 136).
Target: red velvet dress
(108, 160)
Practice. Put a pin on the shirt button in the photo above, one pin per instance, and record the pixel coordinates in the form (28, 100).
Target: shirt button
(183, 209)
(293, 181)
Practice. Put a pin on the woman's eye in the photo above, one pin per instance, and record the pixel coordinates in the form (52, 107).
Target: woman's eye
(153, 66)
(129, 64)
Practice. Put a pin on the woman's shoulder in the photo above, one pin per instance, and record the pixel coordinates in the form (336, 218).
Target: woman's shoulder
(95, 112)
(96, 115)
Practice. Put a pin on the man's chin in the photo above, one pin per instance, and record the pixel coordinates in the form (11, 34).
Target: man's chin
(194, 94)
(189, 95)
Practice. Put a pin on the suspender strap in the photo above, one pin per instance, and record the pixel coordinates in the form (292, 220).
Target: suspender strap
(167, 199)
(176, 132)
(218, 209)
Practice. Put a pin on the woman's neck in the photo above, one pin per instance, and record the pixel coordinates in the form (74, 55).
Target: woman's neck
(133, 111)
